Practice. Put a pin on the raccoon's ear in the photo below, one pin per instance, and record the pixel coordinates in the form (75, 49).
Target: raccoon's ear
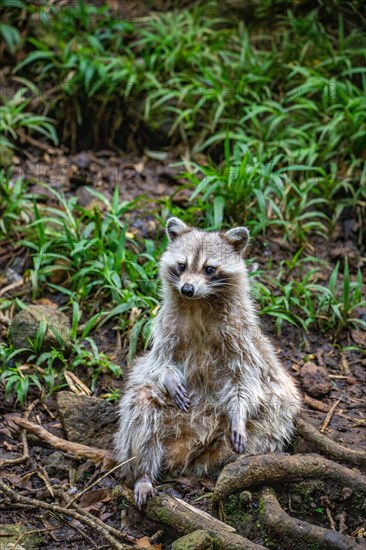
(238, 237)
(175, 227)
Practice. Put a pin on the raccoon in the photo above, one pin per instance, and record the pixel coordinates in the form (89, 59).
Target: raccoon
(211, 386)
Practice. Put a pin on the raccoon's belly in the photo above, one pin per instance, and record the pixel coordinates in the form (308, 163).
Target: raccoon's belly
(202, 376)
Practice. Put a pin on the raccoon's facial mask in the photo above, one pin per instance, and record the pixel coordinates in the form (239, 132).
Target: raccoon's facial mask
(201, 264)
(194, 275)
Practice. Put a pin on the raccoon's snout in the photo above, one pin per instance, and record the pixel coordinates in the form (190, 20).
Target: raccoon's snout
(187, 290)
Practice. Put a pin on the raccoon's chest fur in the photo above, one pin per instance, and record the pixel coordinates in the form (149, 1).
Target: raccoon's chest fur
(201, 353)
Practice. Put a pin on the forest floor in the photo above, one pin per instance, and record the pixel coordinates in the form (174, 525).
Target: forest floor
(48, 472)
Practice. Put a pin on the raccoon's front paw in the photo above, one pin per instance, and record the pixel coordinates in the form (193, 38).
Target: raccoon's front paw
(143, 490)
(176, 390)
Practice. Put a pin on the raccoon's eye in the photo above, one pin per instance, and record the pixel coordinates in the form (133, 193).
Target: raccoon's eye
(209, 270)
(181, 267)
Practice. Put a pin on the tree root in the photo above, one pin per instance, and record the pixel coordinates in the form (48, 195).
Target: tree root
(280, 467)
(98, 456)
(295, 533)
(327, 446)
(186, 519)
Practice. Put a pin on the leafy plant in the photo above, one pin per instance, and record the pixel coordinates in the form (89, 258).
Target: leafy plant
(15, 117)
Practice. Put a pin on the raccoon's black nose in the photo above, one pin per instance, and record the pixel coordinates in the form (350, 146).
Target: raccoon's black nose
(187, 290)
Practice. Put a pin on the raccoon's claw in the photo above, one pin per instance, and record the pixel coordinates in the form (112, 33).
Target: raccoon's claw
(180, 398)
(177, 391)
(238, 441)
(143, 490)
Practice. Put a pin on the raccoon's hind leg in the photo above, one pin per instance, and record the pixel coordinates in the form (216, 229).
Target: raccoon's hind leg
(139, 436)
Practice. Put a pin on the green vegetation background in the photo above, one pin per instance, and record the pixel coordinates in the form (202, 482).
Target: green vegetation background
(274, 103)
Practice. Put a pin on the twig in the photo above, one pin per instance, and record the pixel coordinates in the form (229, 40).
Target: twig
(359, 529)
(93, 523)
(28, 533)
(119, 533)
(328, 418)
(12, 286)
(97, 481)
(16, 284)
(315, 404)
(43, 475)
(20, 459)
(330, 519)
(78, 530)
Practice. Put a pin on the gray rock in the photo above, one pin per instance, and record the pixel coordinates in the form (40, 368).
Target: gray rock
(58, 466)
(88, 420)
(25, 325)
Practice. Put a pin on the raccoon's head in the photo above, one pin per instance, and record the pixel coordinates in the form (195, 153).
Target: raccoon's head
(200, 264)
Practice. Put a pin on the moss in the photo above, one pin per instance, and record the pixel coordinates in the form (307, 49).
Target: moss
(10, 533)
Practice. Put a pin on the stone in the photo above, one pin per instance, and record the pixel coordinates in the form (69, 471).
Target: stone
(198, 540)
(315, 380)
(58, 466)
(25, 324)
(88, 420)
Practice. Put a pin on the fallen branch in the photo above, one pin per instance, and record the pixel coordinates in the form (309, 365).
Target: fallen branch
(295, 533)
(280, 467)
(98, 456)
(94, 523)
(327, 446)
(185, 518)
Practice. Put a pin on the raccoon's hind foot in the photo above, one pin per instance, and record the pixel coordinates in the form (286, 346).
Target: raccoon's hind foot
(238, 436)
(143, 490)
(176, 390)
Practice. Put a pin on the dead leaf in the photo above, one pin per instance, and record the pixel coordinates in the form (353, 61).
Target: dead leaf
(94, 497)
(75, 384)
(144, 542)
(46, 302)
(359, 337)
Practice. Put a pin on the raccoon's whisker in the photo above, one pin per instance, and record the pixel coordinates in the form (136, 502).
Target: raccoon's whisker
(224, 284)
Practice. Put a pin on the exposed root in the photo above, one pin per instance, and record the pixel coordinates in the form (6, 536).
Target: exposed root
(327, 446)
(98, 456)
(295, 533)
(280, 467)
(20, 459)
(185, 519)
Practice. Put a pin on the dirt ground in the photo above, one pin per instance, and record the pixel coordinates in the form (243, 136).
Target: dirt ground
(49, 475)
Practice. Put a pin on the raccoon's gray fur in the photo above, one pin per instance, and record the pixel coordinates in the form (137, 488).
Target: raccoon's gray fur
(211, 383)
